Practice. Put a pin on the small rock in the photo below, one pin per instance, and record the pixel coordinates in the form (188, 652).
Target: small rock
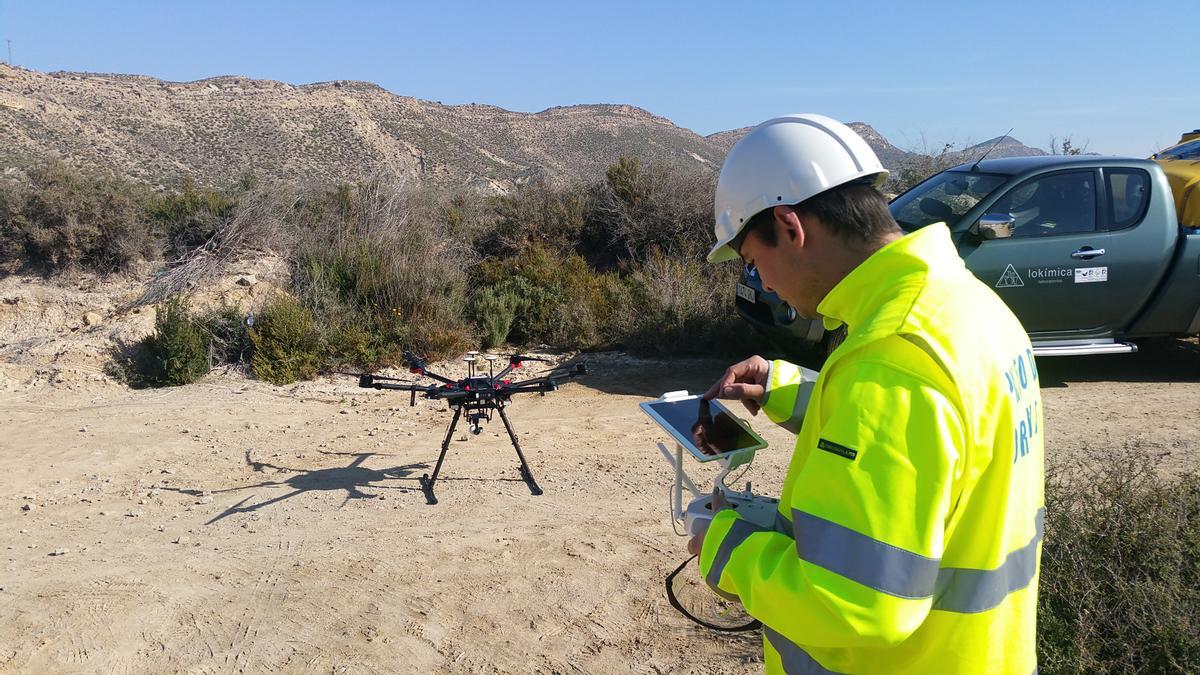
(134, 514)
(59, 551)
(91, 319)
(182, 540)
(27, 507)
(247, 280)
(204, 500)
(83, 430)
(185, 431)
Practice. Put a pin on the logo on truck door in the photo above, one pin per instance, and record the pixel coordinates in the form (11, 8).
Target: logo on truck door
(1091, 275)
(1010, 279)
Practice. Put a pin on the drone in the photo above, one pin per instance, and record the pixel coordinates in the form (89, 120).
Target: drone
(477, 396)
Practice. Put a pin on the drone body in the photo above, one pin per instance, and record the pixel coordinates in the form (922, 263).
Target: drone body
(477, 396)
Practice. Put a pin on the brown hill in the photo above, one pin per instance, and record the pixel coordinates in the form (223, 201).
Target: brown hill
(212, 129)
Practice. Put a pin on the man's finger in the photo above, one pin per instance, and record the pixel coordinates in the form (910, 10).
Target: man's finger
(742, 391)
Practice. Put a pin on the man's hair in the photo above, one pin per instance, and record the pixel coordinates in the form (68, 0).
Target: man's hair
(855, 212)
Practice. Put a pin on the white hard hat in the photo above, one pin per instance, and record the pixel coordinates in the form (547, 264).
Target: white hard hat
(785, 161)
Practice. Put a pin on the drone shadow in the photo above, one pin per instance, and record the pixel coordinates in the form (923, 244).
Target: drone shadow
(352, 478)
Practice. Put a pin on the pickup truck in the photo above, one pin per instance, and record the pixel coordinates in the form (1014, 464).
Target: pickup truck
(1089, 252)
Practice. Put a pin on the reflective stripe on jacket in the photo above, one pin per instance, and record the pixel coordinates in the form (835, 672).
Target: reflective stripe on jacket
(910, 523)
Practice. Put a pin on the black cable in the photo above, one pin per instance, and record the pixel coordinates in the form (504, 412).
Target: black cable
(753, 625)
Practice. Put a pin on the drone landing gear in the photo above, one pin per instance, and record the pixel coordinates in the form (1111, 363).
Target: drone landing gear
(428, 481)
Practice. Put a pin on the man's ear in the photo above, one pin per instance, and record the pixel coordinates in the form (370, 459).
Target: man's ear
(789, 226)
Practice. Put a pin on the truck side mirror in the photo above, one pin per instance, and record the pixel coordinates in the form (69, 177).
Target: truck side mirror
(995, 226)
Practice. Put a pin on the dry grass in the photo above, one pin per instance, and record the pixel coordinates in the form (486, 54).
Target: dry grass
(1120, 579)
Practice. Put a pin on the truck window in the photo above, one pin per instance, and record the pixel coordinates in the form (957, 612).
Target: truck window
(1060, 203)
(945, 197)
(1128, 196)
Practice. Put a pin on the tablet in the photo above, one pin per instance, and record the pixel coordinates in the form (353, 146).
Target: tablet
(706, 428)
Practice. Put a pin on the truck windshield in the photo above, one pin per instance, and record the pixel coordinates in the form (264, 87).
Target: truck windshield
(943, 198)
(1189, 150)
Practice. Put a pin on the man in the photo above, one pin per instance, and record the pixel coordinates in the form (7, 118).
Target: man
(910, 521)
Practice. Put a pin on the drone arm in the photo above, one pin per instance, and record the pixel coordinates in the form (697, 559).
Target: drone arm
(552, 378)
(368, 381)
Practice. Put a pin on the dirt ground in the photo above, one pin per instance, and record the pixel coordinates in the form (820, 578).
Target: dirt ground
(233, 526)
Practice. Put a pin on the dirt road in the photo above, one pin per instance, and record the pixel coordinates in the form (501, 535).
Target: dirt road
(232, 526)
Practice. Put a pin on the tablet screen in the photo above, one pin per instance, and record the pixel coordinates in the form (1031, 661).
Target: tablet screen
(703, 426)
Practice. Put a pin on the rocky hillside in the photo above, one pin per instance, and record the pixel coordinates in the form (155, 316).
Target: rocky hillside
(212, 130)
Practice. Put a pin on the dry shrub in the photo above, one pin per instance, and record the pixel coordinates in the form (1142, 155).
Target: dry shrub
(386, 259)
(662, 207)
(190, 217)
(64, 220)
(539, 215)
(1120, 575)
(260, 222)
(682, 306)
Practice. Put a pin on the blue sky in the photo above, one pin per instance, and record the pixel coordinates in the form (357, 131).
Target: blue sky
(1119, 76)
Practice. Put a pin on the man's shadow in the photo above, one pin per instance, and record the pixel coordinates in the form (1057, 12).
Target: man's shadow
(352, 478)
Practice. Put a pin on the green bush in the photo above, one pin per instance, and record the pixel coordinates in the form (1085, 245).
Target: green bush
(1120, 575)
(178, 348)
(495, 310)
(286, 344)
(561, 301)
(63, 220)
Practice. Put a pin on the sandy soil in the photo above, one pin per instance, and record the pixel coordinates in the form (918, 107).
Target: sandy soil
(232, 526)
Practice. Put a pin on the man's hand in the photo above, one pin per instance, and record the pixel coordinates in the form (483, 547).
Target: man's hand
(745, 381)
(696, 543)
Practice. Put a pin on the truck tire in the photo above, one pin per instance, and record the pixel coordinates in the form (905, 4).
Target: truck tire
(832, 340)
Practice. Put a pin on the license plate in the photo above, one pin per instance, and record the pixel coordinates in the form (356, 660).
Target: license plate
(745, 292)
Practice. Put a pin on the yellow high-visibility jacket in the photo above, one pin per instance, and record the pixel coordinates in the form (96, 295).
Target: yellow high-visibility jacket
(910, 523)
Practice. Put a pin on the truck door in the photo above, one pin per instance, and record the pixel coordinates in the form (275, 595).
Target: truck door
(1080, 262)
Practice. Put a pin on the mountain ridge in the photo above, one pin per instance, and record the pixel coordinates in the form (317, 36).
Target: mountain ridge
(160, 132)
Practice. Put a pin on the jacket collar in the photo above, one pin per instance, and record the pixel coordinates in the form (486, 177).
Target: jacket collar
(892, 273)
